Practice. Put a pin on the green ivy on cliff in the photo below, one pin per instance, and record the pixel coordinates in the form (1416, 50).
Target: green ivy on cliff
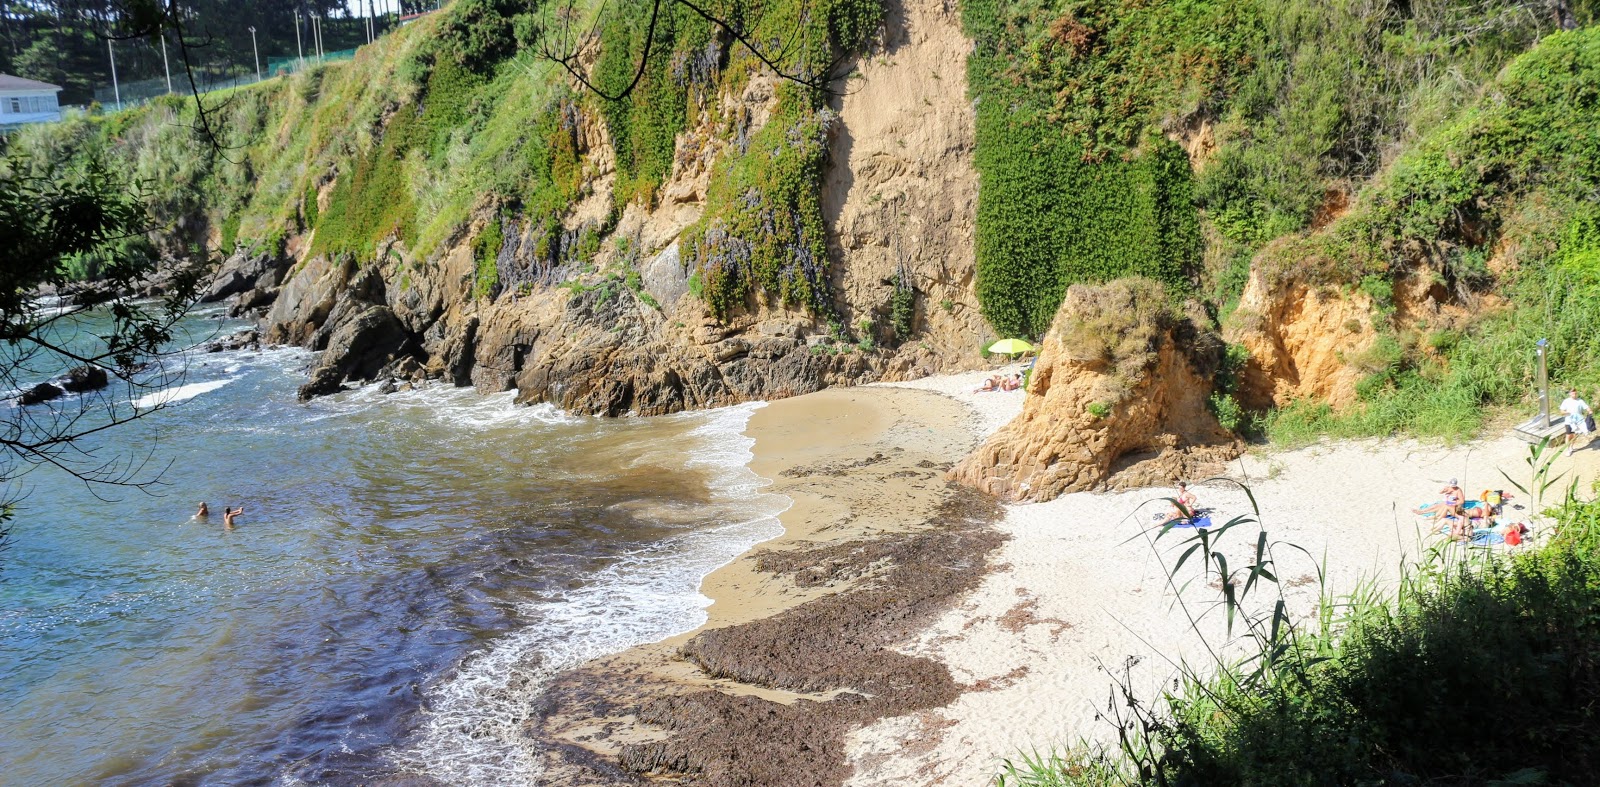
(644, 125)
(1076, 182)
(764, 227)
(763, 231)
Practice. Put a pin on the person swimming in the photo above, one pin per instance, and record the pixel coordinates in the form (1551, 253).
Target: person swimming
(228, 515)
(203, 513)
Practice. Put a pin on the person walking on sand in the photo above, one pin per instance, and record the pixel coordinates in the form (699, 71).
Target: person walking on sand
(228, 515)
(1577, 414)
(203, 513)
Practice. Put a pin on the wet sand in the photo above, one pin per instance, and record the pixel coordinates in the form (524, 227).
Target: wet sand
(797, 650)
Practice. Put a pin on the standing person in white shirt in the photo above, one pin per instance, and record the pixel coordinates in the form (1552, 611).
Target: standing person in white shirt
(1577, 417)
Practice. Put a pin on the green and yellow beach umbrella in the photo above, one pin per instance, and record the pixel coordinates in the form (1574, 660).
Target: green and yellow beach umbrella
(1010, 347)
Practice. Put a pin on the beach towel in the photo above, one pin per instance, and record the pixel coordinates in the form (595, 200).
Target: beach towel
(1197, 521)
(1487, 538)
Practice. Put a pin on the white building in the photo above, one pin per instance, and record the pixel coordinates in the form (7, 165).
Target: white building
(27, 101)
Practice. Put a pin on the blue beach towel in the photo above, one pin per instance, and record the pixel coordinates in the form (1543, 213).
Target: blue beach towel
(1487, 538)
(1197, 522)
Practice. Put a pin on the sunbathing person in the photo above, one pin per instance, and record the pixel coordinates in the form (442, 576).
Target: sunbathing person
(991, 384)
(1011, 383)
(1451, 496)
(1460, 525)
(1183, 506)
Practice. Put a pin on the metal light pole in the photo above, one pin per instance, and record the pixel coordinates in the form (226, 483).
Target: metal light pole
(1541, 378)
(115, 90)
(316, 33)
(298, 52)
(256, 50)
(164, 65)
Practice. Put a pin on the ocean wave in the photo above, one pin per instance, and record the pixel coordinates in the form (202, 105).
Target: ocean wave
(179, 393)
(473, 734)
(463, 408)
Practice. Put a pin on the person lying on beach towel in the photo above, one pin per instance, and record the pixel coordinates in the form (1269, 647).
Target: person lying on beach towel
(1456, 522)
(1450, 496)
(991, 384)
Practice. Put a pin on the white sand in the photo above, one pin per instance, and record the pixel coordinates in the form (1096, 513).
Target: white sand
(1078, 587)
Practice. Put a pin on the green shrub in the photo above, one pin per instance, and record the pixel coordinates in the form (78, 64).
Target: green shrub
(1077, 184)
(486, 254)
(1498, 654)
(1227, 410)
(308, 206)
(229, 232)
(902, 307)
(1098, 409)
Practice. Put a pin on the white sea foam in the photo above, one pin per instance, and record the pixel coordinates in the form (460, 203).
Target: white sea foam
(461, 407)
(179, 393)
(472, 732)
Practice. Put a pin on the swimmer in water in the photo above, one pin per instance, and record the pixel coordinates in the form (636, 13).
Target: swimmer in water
(203, 512)
(228, 515)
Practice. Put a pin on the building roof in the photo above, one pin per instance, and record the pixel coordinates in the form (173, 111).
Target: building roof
(9, 82)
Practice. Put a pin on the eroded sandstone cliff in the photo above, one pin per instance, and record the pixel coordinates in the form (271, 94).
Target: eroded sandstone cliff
(623, 331)
(1117, 399)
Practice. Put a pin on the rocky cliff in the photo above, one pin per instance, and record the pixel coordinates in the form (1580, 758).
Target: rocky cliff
(1117, 399)
(623, 331)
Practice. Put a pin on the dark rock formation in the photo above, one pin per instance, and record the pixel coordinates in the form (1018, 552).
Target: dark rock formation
(357, 349)
(43, 392)
(247, 339)
(85, 378)
(243, 272)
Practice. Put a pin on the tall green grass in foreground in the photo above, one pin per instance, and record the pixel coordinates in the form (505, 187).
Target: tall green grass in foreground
(1482, 668)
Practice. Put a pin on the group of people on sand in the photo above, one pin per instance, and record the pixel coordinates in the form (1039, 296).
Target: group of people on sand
(1466, 518)
(1000, 383)
(228, 514)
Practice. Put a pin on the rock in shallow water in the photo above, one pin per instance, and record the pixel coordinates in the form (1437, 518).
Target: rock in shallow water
(43, 392)
(86, 378)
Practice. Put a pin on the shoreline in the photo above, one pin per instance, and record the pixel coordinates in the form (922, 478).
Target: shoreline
(857, 464)
(1019, 647)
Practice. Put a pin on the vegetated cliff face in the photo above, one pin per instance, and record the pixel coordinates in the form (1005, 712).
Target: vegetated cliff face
(623, 331)
(1117, 399)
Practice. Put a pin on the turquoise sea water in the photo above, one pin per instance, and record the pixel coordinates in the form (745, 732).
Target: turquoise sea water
(408, 570)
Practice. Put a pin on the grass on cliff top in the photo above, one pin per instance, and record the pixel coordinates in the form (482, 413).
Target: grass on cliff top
(1479, 669)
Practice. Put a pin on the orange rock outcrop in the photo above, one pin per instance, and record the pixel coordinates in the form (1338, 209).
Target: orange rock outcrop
(1116, 400)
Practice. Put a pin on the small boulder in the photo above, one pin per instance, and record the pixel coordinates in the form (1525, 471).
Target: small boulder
(43, 392)
(86, 378)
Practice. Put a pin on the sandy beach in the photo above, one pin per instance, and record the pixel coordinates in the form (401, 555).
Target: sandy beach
(1021, 646)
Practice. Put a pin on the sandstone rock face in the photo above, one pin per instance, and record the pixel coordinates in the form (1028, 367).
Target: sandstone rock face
(1300, 338)
(899, 195)
(1116, 400)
